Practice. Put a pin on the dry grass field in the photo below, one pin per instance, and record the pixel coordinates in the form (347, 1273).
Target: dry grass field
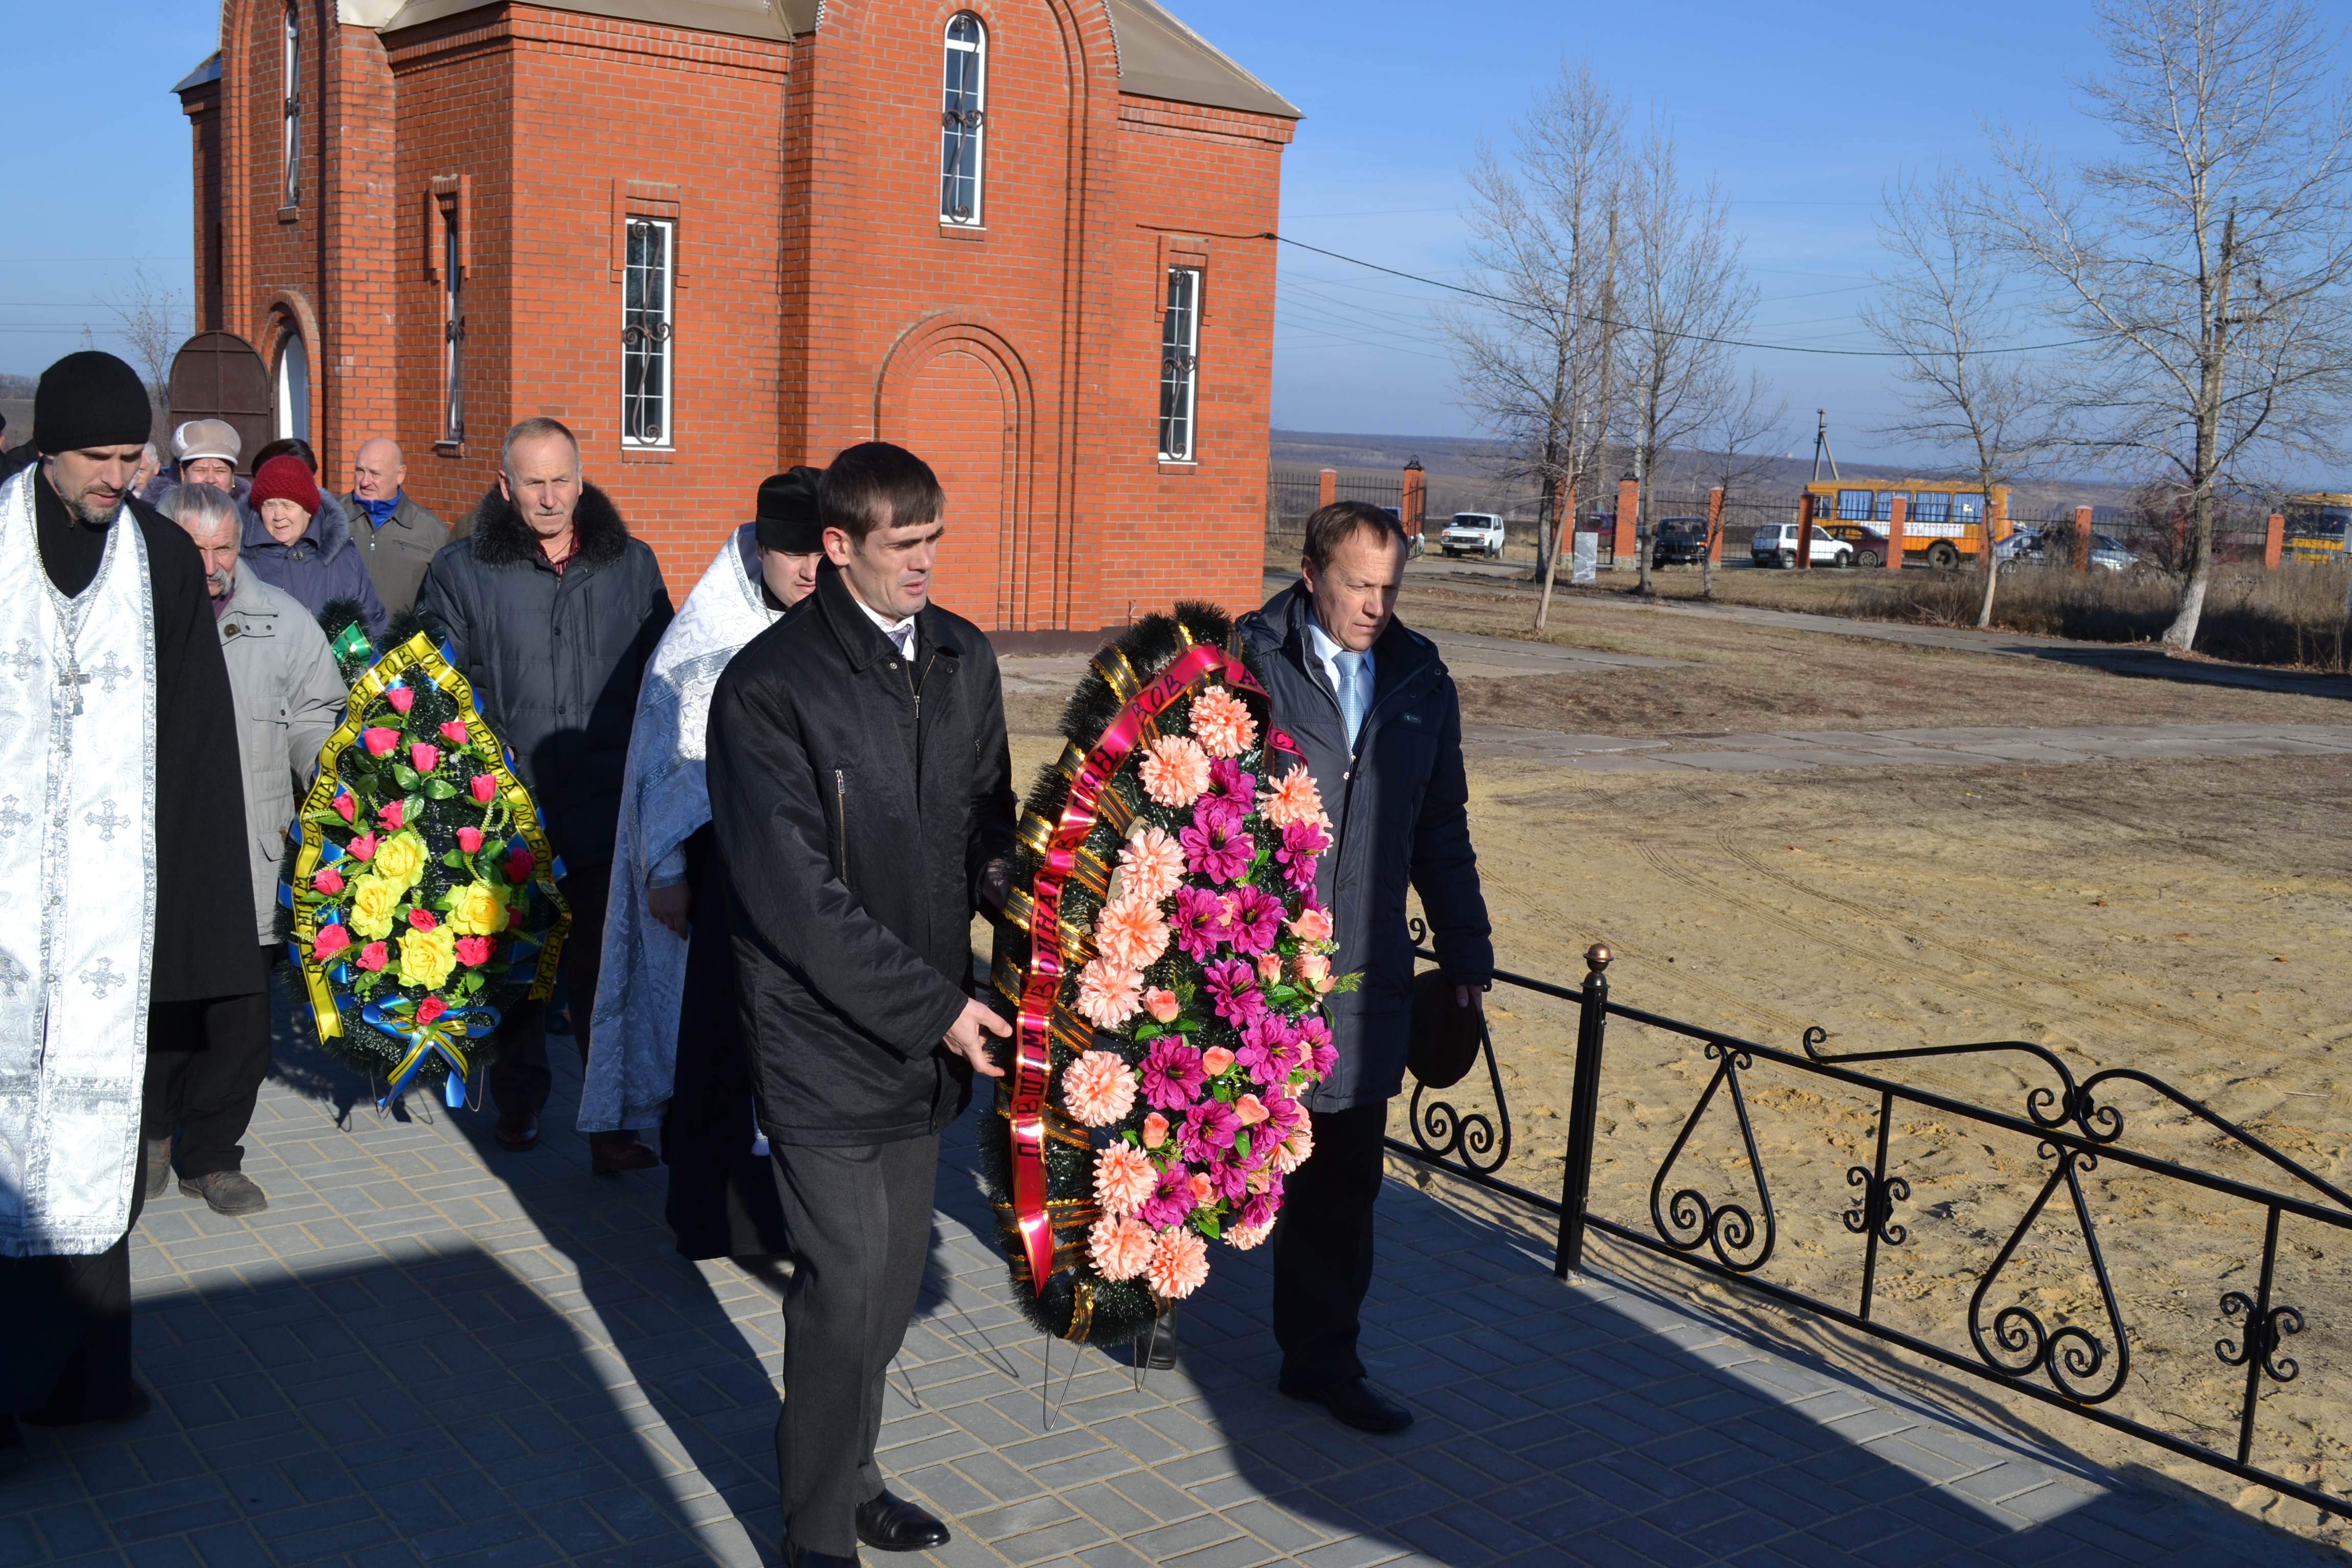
(2188, 919)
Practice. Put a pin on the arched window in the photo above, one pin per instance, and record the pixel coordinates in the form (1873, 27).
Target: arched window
(290, 128)
(964, 83)
(293, 398)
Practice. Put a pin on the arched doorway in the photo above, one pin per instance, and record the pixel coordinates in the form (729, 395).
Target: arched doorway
(956, 421)
(219, 376)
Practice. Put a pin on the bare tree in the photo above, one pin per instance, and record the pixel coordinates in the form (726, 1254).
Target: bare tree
(1944, 305)
(2208, 260)
(1529, 360)
(149, 312)
(1684, 288)
(1744, 423)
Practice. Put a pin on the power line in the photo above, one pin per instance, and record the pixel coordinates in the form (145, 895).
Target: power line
(1637, 327)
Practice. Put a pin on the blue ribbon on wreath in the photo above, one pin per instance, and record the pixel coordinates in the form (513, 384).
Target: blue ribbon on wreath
(443, 1037)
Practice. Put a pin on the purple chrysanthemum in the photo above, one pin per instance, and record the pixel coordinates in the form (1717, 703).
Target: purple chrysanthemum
(1233, 987)
(1208, 1132)
(1171, 1203)
(1251, 917)
(1172, 1075)
(1228, 784)
(1199, 922)
(1216, 846)
(1302, 844)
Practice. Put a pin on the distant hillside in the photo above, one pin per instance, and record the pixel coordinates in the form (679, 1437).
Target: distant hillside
(1465, 474)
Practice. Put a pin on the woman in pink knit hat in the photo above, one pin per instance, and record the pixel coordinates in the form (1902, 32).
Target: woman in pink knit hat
(300, 545)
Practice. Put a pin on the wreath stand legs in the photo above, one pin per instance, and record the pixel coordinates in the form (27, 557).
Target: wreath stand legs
(1047, 1407)
(1155, 1350)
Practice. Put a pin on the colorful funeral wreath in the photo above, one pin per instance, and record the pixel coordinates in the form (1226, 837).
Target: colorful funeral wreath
(1164, 961)
(419, 897)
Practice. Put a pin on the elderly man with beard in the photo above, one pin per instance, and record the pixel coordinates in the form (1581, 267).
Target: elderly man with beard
(551, 610)
(122, 822)
(288, 697)
(669, 1042)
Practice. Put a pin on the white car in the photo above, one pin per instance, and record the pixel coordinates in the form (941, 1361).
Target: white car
(1775, 544)
(1472, 533)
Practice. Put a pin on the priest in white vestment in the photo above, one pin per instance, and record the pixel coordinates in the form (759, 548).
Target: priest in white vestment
(122, 859)
(666, 1048)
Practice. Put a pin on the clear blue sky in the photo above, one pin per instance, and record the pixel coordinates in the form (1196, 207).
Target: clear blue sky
(1802, 111)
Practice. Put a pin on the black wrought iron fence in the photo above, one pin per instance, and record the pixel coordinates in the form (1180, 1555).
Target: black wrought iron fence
(2044, 1319)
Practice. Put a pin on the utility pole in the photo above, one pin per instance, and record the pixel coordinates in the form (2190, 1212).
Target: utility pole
(1821, 444)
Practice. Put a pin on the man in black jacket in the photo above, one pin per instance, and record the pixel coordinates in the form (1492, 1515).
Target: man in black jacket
(1370, 704)
(551, 610)
(861, 790)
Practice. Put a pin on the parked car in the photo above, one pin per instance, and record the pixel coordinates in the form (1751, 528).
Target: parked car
(1412, 533)
(1681, 541)
(2035, 545)
(1472, 533)
(1775, 544)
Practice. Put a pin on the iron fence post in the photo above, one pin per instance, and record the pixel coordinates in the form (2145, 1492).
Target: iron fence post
(1583, 1111)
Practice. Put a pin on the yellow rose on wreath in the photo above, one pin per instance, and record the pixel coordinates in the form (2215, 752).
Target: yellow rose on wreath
(426, 957)
(375, 903)
(400, 860)
(476, 910)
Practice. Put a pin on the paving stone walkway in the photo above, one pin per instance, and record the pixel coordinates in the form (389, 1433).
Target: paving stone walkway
(431, 1351)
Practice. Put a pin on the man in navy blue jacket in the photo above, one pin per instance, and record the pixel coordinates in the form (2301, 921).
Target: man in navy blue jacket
(1370, 704)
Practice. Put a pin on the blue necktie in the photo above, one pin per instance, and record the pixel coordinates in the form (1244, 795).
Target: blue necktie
(1350, 664)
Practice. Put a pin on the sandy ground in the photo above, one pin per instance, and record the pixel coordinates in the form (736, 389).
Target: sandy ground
(2185, 918)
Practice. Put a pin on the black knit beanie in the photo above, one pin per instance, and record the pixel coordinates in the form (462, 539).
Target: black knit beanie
(89, 399)
(787, 520)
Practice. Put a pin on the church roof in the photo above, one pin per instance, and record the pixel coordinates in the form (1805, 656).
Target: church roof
(204, 74)
(1159, 57)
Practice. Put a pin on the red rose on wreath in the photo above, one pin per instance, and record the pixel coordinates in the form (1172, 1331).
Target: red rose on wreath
(389, 814)
(328, 881)
(422, 919)
(363, 847)
(469, 839)
(520, 865)
(379, 739)
(344, 808)
(422, 757)
(375, 956)
(484, 786)
(400, 698)
(453, 732)
(430, 1009)
(473, 950)
(332, 940)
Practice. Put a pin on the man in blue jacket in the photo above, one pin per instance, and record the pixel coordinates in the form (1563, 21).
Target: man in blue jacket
(1370, 704)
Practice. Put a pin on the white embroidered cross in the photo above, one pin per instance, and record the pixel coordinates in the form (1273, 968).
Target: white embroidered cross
(100, 977)
(107, 674)
(24, 662)
(106, 822)
(12, 975)
(12, 817)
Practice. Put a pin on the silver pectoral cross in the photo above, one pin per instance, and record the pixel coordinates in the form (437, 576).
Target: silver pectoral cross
(76, 679)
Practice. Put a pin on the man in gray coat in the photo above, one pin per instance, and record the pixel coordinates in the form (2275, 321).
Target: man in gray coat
(1370, 704)
(397, 537)
(288, 698)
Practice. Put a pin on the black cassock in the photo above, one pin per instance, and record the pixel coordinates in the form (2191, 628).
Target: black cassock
(66, 1321)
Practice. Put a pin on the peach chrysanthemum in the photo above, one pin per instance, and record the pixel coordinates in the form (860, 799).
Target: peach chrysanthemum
(1124, 1178)
(1222, 723)
(1180, 1262)
(1099, 1090)
(1122, 1248)
(1245, 1236)
(1109, 995)
(1294, 798)
(1176, 771)
(1294, 1150)
(1131, 934)
(1150, 864)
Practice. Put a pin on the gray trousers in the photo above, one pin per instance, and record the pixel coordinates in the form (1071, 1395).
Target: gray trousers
(859, 1216)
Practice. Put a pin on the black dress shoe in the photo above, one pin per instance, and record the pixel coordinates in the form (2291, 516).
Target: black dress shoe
(893, 1524)
(1156, 1351)
(517, 1131)
(1352, 1402)
(795, 1557)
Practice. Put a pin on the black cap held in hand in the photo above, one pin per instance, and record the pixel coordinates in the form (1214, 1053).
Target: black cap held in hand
(787, 517)
(89, 399)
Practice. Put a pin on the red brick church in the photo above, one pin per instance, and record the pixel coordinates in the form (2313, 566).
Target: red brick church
(717, 237)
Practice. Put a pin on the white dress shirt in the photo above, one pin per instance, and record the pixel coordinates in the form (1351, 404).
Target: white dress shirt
(1323, 645)
(900, 633)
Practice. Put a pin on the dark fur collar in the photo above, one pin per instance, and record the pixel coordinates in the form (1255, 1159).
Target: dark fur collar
(501, 537)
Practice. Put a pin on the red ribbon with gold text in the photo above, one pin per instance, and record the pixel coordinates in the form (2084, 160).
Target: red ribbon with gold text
(1033, 1054)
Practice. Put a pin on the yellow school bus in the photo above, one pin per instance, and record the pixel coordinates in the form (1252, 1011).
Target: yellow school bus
(2315, 527)
(1946, 520)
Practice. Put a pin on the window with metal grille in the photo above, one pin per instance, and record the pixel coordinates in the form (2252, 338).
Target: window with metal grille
(1179, 362)
(291, 129)
(453, 324)
(645, 337)
(961, 114)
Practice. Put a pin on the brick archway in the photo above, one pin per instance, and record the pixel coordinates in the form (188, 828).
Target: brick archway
(954, 392)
